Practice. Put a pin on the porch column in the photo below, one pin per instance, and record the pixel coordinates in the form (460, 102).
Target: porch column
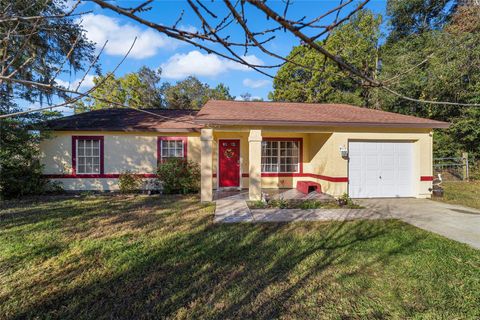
(206, 185)
(254, 162)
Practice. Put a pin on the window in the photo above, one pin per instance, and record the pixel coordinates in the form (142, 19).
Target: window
(172, 147)
(88, 151)
(280, 156)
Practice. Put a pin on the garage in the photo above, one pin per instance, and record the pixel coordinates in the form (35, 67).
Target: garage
(380, 169)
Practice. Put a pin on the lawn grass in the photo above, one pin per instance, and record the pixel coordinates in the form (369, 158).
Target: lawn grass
(463, 193)
(126, 257)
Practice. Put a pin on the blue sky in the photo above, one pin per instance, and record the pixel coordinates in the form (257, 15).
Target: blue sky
(177, 59)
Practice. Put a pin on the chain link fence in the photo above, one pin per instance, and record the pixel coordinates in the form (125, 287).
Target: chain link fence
(455, 168)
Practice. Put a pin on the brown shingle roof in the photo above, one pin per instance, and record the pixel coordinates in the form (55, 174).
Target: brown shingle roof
(286, 113)
(128, 120)
(218, 112)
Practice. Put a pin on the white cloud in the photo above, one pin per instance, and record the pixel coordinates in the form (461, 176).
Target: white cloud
(195, 63)
(86, 84)
(255, 84)
(239, 98)
(100, 28)
(188, 28)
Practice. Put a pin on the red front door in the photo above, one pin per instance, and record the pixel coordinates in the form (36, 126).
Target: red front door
(229, 163)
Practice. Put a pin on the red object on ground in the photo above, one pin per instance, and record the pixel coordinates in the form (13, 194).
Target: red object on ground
(307, 186)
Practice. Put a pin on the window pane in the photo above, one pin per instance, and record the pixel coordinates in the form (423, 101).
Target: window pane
(280, 156)
(88, 156)
(88, 149)
(172, 148)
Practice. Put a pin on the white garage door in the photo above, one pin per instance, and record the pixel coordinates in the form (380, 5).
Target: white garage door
(380, 169)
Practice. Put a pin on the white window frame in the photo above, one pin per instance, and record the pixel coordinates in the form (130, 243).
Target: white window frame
(78, 156)
(175, 140)
(279, 156)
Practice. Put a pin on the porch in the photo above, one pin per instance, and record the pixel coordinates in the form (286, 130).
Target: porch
(247, 162)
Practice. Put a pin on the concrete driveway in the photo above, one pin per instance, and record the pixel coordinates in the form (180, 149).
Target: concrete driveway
(452, 221)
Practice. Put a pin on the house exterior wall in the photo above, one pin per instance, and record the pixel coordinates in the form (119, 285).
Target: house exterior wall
(321, 159)
(134, 152)
(328, 161)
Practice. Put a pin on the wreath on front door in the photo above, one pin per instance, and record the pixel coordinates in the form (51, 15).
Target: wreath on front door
(229, 153)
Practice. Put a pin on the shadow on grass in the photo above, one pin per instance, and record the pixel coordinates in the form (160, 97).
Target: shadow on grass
(165, 259)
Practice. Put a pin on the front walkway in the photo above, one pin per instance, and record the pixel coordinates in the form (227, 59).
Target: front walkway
(231, 207)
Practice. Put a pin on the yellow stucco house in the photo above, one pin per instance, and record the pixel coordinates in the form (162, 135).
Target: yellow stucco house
(249, 145)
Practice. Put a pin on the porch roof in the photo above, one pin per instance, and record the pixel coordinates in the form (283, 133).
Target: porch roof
(223, 112)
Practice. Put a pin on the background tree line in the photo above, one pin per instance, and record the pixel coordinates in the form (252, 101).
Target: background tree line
(431, 51)
(145, 90)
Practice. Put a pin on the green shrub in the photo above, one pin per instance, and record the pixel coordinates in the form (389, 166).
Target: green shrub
(129, 182)
(20, 168)
(179, 176)
(347, 202)
(21, 178)
(310, 204)
(279, 203)
(474, 171)
(259, 204)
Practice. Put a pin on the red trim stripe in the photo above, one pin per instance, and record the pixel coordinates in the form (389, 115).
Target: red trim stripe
(89, 176)
(309, 175)
(244, 175)
(426, 178)
(327, 178)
